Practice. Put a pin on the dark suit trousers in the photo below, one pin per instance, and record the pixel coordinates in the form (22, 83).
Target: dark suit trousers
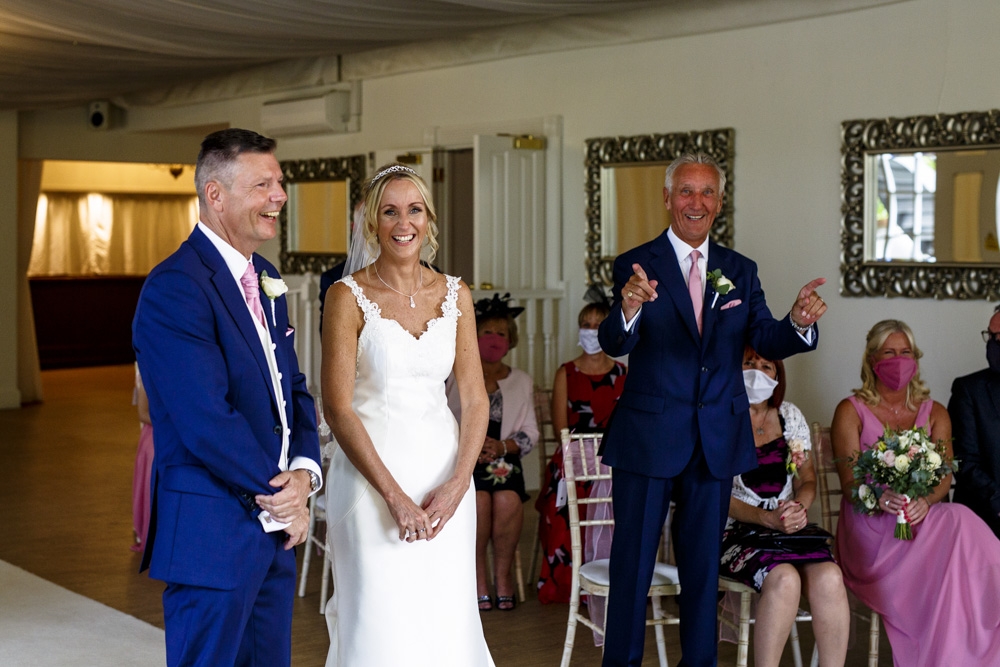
(640, 507)
(249, 626)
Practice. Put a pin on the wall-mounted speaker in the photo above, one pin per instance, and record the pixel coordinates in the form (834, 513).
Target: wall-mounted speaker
(99, 115)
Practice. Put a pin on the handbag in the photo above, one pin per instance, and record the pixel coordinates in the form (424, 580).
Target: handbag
(810, 538)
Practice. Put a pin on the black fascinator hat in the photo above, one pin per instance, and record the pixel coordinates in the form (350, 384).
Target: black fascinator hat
(496, 308)
(598, 303)
(596, 294)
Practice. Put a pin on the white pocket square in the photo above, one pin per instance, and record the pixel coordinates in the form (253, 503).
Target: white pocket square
(289, 332)
(731, 304)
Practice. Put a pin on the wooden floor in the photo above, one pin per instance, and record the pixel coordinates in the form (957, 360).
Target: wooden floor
(66, 498)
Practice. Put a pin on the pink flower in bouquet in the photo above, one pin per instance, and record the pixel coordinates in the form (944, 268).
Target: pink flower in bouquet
(890, 459)
(498, 471)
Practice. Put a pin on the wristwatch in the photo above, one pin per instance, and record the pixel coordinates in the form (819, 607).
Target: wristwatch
(314, 481)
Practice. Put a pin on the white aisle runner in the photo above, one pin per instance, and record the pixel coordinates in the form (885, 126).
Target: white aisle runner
(44, 625)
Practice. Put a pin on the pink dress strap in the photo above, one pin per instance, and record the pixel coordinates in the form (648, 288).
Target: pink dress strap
(872, 429)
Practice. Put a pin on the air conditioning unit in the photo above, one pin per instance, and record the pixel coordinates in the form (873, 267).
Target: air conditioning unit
(312, 115)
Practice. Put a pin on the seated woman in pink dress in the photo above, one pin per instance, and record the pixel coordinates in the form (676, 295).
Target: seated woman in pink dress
(143, 468)
(937, 594)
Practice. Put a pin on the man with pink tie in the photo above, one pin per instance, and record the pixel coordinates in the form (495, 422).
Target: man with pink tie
(237, 454)
(684, 310)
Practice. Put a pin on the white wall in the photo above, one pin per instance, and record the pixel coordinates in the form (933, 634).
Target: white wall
(785, 88)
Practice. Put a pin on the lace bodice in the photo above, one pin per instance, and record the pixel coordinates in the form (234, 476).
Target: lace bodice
(415, 358)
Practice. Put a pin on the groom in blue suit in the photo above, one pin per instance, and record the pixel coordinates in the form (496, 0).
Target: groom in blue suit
(681, 429)
(237, 454)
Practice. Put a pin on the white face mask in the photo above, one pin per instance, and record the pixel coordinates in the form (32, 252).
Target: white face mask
(758, 385)
(589, 342)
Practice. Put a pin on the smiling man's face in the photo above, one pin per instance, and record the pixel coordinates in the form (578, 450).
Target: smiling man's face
(694, 202)
(250, 205)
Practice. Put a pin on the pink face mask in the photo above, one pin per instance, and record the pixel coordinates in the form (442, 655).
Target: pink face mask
(896, 372)
(492, 347)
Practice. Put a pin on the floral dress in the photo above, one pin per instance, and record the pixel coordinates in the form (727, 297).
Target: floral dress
(764, 487)
(590, 401)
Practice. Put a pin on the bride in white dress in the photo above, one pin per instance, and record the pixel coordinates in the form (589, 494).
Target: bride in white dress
(401, 510)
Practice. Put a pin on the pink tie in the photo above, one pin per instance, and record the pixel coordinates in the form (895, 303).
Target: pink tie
(695, 287)
(252, 293)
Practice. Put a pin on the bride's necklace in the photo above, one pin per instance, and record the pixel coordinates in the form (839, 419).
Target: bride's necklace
(759, 430)
(408, 296)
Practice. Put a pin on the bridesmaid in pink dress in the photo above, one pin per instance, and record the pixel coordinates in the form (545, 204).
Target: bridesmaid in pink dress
(143, 468)
(939, 594)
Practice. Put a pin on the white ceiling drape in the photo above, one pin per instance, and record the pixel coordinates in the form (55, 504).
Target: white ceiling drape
(69, 52)
(84, 49)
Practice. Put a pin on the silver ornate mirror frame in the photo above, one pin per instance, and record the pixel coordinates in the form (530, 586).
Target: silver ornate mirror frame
(915, 280)
(351, 169)
(604, 152)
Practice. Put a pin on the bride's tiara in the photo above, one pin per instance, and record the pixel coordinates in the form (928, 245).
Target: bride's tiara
(392, 170)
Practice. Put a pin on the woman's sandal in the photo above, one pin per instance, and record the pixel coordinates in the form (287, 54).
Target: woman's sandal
(506, 600)
(484, 600)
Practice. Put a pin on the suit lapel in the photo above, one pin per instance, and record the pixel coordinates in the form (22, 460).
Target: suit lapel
(668, 270)
(234, 301)
(280, 357)
(716, 260)
(993, 388)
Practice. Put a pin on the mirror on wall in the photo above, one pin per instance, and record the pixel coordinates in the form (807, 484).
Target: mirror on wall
(920, 206)
(316, 220)
(624, 189)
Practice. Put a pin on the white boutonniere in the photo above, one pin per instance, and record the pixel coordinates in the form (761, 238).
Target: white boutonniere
(272, 289)
(720, 284)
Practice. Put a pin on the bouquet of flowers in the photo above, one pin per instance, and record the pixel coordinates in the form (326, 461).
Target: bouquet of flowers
(906, 461)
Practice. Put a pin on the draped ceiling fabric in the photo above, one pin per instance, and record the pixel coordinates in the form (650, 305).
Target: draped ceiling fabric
(68, 52)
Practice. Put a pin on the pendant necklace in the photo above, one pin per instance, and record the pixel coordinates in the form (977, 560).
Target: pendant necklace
(408, 296)
(759, 429)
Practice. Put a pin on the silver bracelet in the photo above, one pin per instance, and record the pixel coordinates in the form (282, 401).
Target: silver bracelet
(799, 329)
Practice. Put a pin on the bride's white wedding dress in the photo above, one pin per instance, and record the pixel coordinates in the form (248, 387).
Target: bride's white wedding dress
(397, 603)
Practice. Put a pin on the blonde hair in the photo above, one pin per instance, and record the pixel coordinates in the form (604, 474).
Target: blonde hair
(373, 198)
(916, 391)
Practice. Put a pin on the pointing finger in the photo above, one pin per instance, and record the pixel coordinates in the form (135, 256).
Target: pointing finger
(811, 287)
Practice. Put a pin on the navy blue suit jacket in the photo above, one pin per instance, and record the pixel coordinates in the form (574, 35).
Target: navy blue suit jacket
(975, 424)
(683, 388)
(216, 423)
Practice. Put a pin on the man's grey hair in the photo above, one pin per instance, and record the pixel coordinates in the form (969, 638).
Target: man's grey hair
(694, 158)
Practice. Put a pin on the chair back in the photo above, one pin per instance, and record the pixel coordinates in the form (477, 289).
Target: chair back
(827, 477)
(546, 434)
(581, 463)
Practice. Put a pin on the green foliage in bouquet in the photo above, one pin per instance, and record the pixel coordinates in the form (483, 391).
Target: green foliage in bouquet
(906, 461)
